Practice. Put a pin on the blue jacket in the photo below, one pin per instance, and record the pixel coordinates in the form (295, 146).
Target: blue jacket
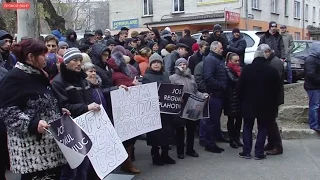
(215, 75)
(58, 35)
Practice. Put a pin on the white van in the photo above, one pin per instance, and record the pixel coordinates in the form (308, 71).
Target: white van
(252, 38)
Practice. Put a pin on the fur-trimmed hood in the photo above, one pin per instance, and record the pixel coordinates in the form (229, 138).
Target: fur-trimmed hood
(117, 63)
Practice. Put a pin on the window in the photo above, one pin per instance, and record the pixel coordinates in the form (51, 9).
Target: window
(314, 14)
(286, 8)
(147, 8)
(297, 35)
(306, 13)
(178, 5)
(255, 4)
(274, 6)
(257, 28)
(296, 9)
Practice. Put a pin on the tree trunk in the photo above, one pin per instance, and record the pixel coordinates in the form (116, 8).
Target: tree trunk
(28, 20)
(2, 23)
(54, 21)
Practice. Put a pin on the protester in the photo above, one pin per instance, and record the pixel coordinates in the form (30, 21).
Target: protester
(71, 38)
(52, 43)
(6, 59)
(143, 59)
(107, 35)
(188, 40)
(216, 81)
(274, 145)
(167, 50)
(58, 35)
(169, 61)
(27, 112)
(122, 76)
(205, 35)
(184, 77)
(232, 105)
(312, 85)
(198, 56)
(122, 36)
(219, 36)
(62, 47)
(273, 38)
(52, 60)
(154, 47)
(85, 58)
(237, 45)
(111, 44)
(164, 136)
(99, 36)
(73, 92)
(259, 90)
(288, 47)
(155, 35)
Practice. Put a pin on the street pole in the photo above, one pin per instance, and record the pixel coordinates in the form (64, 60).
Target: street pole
(28, 20)
(247, 14)
(303, 17)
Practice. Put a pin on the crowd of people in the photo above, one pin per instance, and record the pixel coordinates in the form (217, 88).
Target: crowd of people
(42, 79)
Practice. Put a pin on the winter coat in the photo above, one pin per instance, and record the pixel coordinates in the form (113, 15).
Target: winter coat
(259, 88)
(3, 72)
(288, 45)
(71, 42)
(232, 103)
(165, 135)
(194, 60)
(198, 76)
(275, 42)
(189, 41)
(121, 72)
(238, 46)
(275, 62)
(169, 62)
(72, 90)
(215, 75)
(143, 63)
(222, 39)
(312, 68)
(97, 94)
(104, 72)
(29, 100)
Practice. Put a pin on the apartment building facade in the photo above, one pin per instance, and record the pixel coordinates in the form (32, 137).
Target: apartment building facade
(302, 17)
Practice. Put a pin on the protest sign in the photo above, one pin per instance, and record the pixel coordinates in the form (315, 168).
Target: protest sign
(136, 111)
(107, 152)
(170, 96)
(72, 140)
(194, 107)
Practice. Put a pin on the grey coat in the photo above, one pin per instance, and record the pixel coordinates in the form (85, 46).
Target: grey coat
(288, 45)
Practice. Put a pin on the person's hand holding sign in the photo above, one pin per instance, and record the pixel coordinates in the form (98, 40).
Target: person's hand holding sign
(66, 111)
(94, 107)
(135, 81)
(206, 95)
(123, 87)
(42, 126)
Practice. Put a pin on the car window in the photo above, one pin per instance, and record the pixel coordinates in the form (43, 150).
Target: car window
(299, 47)
(196, 36)
(249, 40)
(228, 35)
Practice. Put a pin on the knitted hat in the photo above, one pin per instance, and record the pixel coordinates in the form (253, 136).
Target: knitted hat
(98, 32)
(195, 47)
(71, 54)
(217, 27)
(62, 44)
(272, 23)
(155, 57)
(181, 60)
(236, 30)
(119, 48)
(111, 41)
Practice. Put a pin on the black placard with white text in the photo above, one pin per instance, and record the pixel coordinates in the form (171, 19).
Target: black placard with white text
(170, 96)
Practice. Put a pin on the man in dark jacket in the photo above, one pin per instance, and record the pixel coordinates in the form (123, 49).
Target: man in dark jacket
(312, 85)
(218, 35)
(216, 81)
(188, 40)
(88, 38)
(259, 89)
(71, 38)
(6, 59)
(73, 92)
(238, 45)
(198, 57)
(121, 38)
(274, 39)
(169, 60)
(274, 145)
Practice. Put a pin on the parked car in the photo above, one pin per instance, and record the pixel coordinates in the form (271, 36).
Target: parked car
(298, 57)
(252, 38)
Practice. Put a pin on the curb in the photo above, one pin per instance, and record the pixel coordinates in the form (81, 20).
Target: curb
(288, 134)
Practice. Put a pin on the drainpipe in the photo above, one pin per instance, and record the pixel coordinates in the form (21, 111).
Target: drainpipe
(303, 18)
(247, 13)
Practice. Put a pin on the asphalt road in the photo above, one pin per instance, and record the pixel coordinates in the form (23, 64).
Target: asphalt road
(300, 161)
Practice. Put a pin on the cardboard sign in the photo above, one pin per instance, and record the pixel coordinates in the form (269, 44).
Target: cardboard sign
(194, 107)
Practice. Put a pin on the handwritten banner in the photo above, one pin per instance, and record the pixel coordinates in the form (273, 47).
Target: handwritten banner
(194, 107)
(136, 111)
(107, 152)
(72, 140)
(170, 96)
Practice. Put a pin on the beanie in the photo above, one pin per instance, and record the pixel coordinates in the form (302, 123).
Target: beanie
(195, 47)
(155, 57)
(71, 54)
(217, 27)
(272, 23)
(181, 60)
(110, 41)
(98, 32)
(236, 30)
(119, 48)
(62, 43)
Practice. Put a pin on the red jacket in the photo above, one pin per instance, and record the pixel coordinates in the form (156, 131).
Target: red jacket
(122, 73)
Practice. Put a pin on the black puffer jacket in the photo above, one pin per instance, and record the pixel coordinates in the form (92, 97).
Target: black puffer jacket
(275, 42)
(233, 103)
(71, 42)
(215, 75)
